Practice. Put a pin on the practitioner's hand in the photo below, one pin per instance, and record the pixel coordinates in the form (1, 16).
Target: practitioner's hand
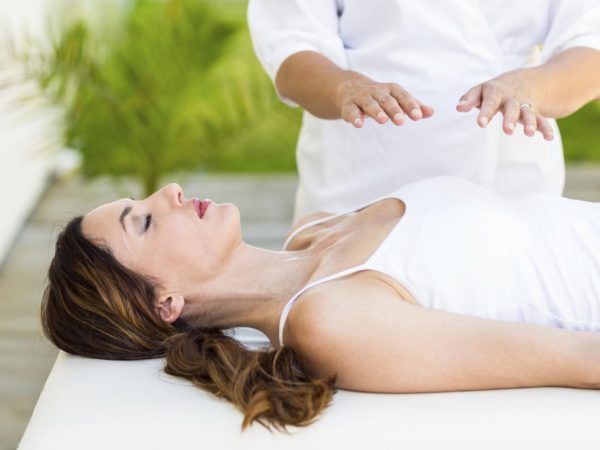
(514, 95)
(360, 97)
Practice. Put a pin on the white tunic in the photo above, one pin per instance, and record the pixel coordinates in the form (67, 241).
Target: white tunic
(436, 50)
(461, 248)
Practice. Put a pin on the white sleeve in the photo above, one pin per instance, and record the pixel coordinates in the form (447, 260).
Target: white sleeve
(280, 28)
(572, 23)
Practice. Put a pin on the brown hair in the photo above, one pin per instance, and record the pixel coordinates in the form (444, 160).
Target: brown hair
(95, 307)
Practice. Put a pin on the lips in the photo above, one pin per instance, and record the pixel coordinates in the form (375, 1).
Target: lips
(201, 206)
(204, 206)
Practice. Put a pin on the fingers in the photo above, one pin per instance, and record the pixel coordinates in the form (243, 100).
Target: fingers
(511, 116)
(392, 109)
(357, 111)
(545, 128)
(373, 109)
(471, 99)
(489, 99)
(529, 117)
(426, 110)
(353, 114)
(382, 102)
(529, 120)
(492, 99)
(408, 103)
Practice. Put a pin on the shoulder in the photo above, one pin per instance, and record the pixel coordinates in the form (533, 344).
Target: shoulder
(312, 322)
(336, 303)
(329, 323)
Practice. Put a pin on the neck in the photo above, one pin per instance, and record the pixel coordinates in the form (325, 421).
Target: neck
(252, 289)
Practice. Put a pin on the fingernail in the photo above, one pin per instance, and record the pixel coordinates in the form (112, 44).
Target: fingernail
(483, 121)
(529, 129)
(357, 122)
(510, 127)
(416, 113)
(398, 117)
(462, 102)
(381, 116)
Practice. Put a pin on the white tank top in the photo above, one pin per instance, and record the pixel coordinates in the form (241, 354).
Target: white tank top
(462, 248)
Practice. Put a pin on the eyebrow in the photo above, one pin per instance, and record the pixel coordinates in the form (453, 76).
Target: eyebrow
(124, 213)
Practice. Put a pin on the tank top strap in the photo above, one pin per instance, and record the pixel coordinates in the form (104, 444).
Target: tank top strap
(291, 301)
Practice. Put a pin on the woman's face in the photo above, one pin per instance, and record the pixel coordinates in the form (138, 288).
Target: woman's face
(163, 236)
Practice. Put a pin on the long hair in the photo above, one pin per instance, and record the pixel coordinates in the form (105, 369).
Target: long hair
(95, 307)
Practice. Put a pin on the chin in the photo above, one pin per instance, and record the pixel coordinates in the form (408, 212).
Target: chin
(233, 220)
(231, 210)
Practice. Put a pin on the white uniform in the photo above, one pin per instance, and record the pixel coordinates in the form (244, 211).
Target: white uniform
(436, 50)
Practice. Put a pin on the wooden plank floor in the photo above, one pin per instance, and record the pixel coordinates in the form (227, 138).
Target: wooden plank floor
(266, 206)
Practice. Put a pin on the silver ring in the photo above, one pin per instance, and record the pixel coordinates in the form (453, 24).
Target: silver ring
(526, 105)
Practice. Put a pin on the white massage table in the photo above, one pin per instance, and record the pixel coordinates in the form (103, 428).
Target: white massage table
(96, 404)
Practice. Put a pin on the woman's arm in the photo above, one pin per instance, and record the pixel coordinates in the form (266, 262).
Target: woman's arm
(299, 46)
(330, 92)
(556, 89)
(393, 346)
(568, 81)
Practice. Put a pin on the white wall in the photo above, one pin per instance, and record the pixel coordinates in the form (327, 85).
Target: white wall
(24, 130)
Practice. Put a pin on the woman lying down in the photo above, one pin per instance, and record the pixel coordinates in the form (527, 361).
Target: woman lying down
(441, 285)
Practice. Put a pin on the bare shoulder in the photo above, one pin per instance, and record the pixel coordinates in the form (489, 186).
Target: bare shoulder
(321, 319)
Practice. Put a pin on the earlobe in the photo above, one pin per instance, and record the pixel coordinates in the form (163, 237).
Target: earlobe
(170, 307)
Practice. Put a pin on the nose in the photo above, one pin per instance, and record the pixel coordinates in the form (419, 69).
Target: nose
(173, 193)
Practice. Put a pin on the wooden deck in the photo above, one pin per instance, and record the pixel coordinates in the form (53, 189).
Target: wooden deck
(266, 206)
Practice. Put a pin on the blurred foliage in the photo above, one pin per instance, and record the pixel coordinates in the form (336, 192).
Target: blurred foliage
(175, 87)
(581, 134)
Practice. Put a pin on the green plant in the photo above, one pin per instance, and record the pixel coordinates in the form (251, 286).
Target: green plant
(175, 87)
(581, 134)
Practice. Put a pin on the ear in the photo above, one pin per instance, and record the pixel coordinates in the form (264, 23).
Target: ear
(170, 307)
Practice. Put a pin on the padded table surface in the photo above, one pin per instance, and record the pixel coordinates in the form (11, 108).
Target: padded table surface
(97, 404)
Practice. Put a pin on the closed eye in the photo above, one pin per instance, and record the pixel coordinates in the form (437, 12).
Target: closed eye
(148, 222)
